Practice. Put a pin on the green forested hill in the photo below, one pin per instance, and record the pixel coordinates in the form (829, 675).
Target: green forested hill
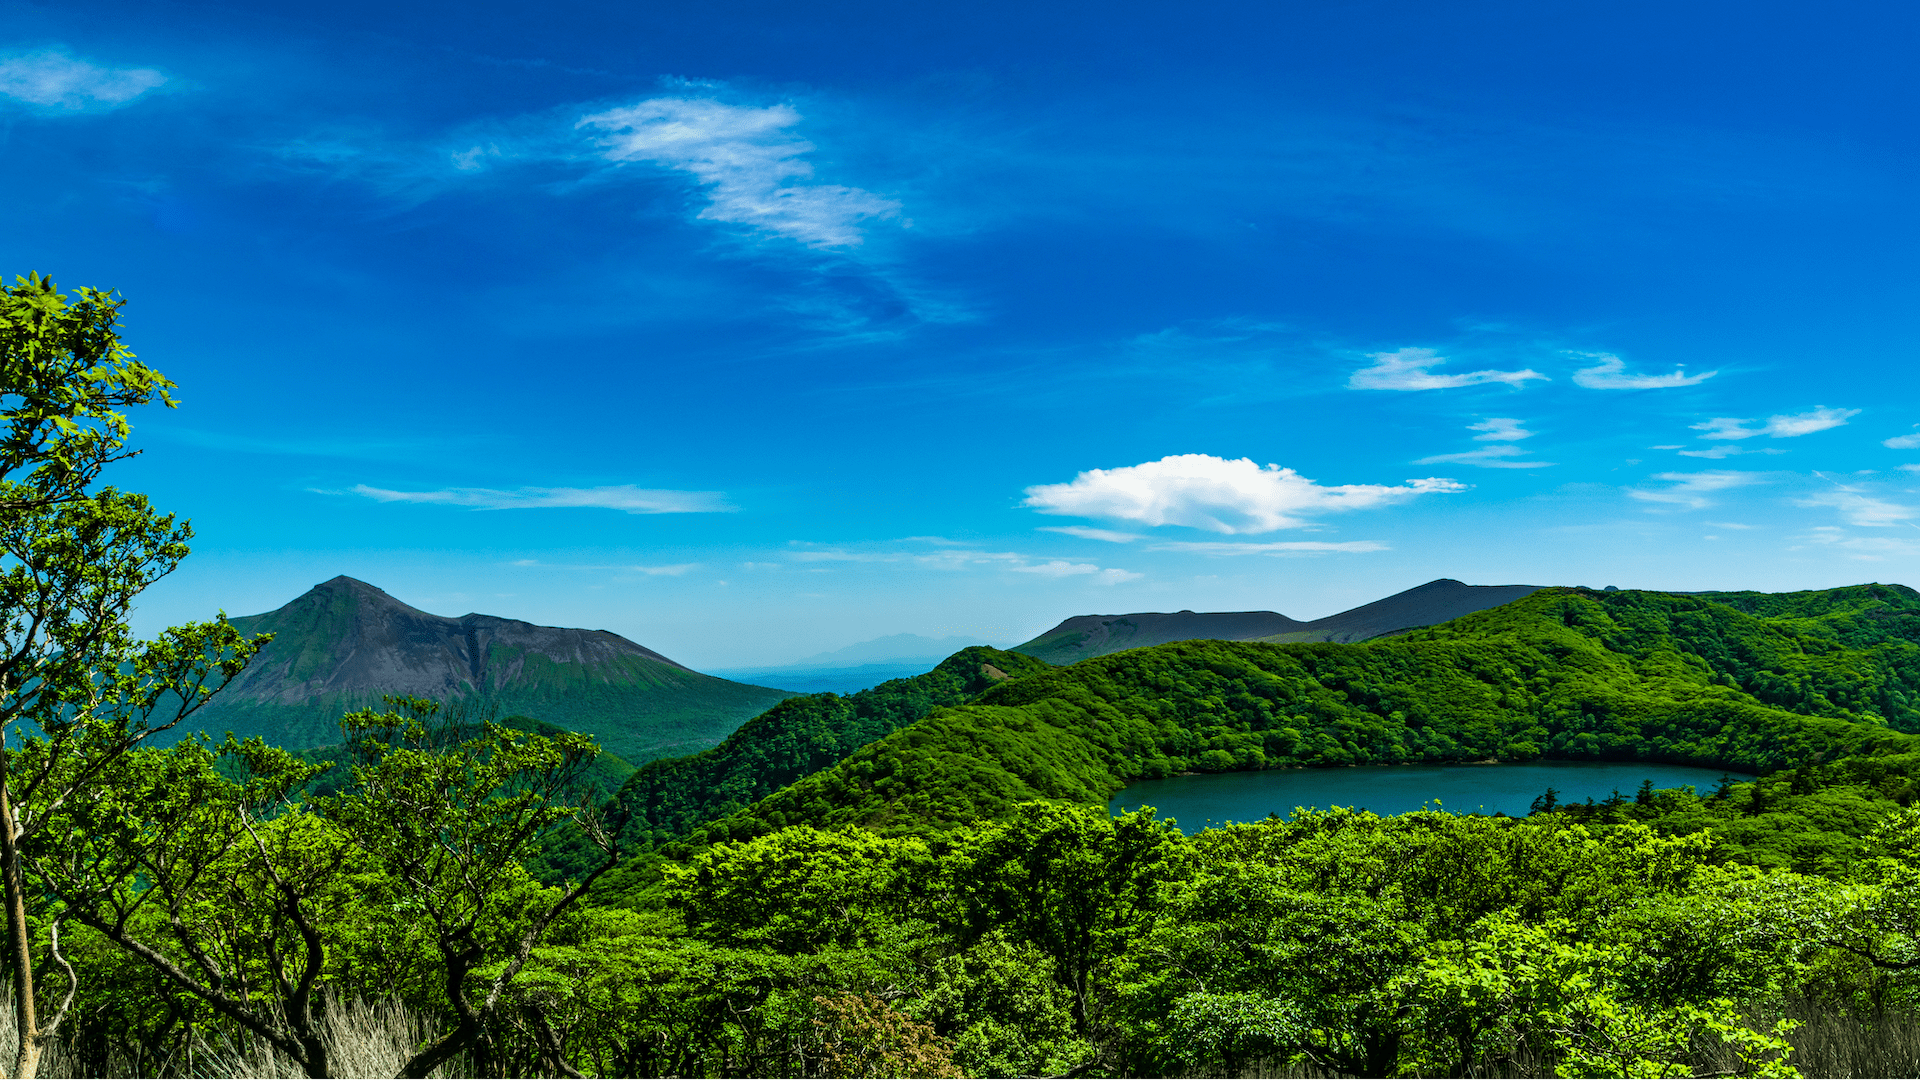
(796, 738)
(1799, 678)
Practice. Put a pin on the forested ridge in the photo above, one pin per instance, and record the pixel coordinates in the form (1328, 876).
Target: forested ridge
(1566, 673)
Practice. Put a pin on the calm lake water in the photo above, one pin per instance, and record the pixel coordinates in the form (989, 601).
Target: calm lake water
(1219, 798)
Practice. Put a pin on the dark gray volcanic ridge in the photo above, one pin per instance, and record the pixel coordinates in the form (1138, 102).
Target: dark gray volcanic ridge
(1435, 602)
(345, 645)
(345, 635)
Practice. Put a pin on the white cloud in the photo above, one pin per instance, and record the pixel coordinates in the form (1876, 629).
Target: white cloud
(1727, 450)
(1690, 489)
(1778, 427)
(1292, 547)
(1611, 374)
(1205, 492)
(1862, 510)
(625, 497)
(751, 165)
(1731, 525)
(1487, 457)
(1087, 533)
(674, 570)
(959, 559)
(1902, 442)
(54, 78)
(1864, 548)
(1406, 369)
(1059, 568)
(1501, 429)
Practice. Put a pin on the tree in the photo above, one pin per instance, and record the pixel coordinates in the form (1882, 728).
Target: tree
(447, 810)
(73, 555)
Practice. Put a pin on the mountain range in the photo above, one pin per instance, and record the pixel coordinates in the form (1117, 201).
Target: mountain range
(1426, 605)
(344, 644)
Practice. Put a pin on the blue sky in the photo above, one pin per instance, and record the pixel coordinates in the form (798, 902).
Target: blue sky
(753, 330)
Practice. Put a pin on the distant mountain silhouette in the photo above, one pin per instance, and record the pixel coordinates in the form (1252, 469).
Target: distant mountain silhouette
(344, 644)
(1435, 602)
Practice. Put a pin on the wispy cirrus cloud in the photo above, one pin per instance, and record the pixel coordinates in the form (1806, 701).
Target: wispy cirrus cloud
(1864, 548)
(1216, 494)
(1408, 369)
(1500, 429)
(671, 570)
(752, 165)
(955, 558)
(1785, 426)
(1611, 374)
(1503, 432)
(624, 497)
(1903, 442)
(54, 78)
(1858, 506)
(1086, 532)
(1727, 450)
(1061, 568)
(1487, 457)
(1691, 489)
(1284, 548)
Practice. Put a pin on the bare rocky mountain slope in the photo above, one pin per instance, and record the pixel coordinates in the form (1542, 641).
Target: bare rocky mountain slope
(344, 644)
(1435, 602)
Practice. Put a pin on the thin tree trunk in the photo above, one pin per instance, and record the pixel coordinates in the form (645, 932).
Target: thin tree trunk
(26, 1063)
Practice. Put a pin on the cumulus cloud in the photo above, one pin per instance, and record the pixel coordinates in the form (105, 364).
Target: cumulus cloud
(624, 497)
(1902, 442)
(1406, 369)
(752, 166)
(1690, 489)
(1290, 547)
(1778, 427)
(55, 78)
(1205, 492)
(1611, 374)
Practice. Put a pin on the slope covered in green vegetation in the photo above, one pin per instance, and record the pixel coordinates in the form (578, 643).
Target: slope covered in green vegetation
(1569, 673)
(796, 738)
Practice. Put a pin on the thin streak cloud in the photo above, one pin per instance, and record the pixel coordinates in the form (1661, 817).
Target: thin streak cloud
(55, 79)
(625, 497)
(1777, 427)
(1407, 369)
(1282, 548)
(1611, 374)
